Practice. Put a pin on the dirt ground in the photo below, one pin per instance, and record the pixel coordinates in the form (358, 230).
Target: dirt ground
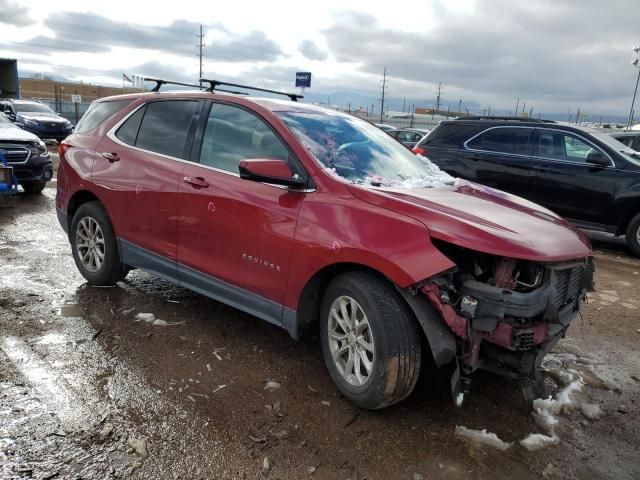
(86, 391)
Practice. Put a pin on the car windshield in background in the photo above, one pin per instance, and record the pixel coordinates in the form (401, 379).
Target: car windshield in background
(4, 120)
(31, 108)
(617, 145)
(362, 153)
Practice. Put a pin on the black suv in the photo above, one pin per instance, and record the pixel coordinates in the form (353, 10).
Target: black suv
(582, 174)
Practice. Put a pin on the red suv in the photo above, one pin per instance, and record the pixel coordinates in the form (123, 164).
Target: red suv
(318, 221)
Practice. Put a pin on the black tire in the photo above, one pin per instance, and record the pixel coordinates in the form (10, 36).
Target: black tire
(395, 338)
(111, 270)
(32, 188)
(633, 235)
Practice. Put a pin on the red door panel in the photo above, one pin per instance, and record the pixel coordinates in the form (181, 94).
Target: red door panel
(140, 192)
(237, 230)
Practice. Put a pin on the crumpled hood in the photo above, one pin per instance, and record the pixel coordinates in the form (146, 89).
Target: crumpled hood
(43, 117)
(486, 220)
(11, 133)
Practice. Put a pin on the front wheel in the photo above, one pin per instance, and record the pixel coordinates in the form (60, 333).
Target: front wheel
(633, 235)
(370, 340)
(94, 245)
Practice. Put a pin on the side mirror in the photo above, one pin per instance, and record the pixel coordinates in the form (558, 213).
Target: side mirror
(269, 170)
(598, 158)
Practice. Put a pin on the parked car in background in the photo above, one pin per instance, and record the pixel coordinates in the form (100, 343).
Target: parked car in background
(408, 136)
(38, 119)
(27, 154)
(629, 138)
(317, 221)
(584, 175)
(384, 126)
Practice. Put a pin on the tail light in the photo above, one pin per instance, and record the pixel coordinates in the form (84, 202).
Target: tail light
(419, 150)
(62, 149)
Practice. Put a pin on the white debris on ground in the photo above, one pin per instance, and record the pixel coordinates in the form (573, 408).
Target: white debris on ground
(145, 317)
(537, 441)
(139, 446)
(482, 437)
(591, 411)
(459, 399)
(271, 386)
(159, 323)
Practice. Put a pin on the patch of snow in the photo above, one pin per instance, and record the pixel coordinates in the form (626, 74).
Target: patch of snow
(272, 386)
(482, 437)
(459, 399)
(146, 317)
(159, 323)
(537, 441)
(591, 411)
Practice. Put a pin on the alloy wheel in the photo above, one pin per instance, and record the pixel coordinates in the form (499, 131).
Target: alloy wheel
(90, 245)
(351, 340)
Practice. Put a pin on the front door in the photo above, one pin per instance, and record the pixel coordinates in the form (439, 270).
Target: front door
(235, 235)
(566, 183)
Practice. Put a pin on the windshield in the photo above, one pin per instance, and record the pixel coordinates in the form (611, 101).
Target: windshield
(617, 145)
(361, 153)
(4, 120)
(31, 107)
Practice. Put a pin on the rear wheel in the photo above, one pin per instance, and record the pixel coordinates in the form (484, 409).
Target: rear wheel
(633, 235)
(370, 340)
(33, 187)
(94, 245)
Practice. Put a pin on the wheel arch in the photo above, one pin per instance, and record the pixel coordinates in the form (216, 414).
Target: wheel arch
(632, 210)
(305, 321)
(77, 199)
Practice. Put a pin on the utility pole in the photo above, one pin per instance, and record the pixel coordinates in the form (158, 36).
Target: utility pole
(200, 46)
(384, 87)
(517, 105)
(459, 107)
(438, 95)
(404, 104)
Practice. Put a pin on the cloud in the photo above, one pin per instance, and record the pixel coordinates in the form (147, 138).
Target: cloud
(311, 51)
(13, 14)
(551, 51)
(88, 32)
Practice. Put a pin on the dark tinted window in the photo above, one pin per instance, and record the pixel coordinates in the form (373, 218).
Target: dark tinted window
(165, 127)
(97, 113)
(563, 146)
(233, 134)
(503, 140)
(128, 131)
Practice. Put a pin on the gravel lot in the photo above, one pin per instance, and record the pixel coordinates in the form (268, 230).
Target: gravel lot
(86, 391)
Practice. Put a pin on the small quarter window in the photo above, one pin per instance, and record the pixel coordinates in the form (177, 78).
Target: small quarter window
(97, 113)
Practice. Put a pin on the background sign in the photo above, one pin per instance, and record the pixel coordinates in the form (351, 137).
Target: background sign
(303, 79)
(76, 98)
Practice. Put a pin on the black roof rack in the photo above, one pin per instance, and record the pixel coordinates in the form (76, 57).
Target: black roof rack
(214, 83)
(160, 82)
(514, 119)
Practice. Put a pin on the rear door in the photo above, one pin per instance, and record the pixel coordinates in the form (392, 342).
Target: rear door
(139, 168)
(565, 182)
(500, 157)
(236, 235)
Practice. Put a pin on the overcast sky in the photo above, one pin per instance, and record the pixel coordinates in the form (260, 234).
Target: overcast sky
(553, 54)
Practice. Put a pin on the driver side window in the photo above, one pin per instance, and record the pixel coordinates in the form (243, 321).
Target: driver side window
(233, 134)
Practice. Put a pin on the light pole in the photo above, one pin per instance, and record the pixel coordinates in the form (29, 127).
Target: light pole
(635, 64)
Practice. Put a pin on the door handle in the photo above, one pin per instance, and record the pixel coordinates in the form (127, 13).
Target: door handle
(196, 182)
(112, 157)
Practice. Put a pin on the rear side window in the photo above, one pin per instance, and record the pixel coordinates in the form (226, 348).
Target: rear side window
(165, 127)
(97, 113)
(502, 140)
